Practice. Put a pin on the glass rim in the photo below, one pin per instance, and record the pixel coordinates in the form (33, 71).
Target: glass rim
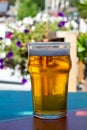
(48, 43)
(49, 48)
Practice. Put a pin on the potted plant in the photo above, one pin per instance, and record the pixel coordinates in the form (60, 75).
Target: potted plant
(14, 45)
(82, 53)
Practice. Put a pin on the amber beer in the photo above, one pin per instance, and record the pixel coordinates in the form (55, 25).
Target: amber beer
(49, 68)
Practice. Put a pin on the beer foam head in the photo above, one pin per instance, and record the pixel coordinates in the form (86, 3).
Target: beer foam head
(49, 49)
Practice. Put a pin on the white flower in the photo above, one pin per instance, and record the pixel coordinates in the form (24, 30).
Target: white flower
(12, 25)
(33, 28)
(74, 24)
(45, 17)
(38, 17)
(7, 41)
(82, 25)
(60, 18)
(32, 40)
(22, 28)
(3, 54)
(67, 25)
(28, 20)
(19, 23)
(52, 19)
(65, 18)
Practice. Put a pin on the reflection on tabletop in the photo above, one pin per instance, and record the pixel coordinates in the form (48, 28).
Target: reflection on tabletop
(58, 124)
(73, 121)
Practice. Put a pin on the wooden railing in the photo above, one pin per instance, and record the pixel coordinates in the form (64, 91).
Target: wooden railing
(69, 36)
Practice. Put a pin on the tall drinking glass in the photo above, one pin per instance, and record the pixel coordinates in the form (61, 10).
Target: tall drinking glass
(49, 65)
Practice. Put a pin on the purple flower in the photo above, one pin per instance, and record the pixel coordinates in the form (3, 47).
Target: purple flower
(61, 24)
(1, 66)
(10, 55)
(26, 31)
(60, 14)
(1, 38)
(1, 61)
(9, 35)
(18, 44)
(24, 81)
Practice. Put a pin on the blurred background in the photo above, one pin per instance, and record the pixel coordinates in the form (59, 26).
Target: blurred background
(23, 21)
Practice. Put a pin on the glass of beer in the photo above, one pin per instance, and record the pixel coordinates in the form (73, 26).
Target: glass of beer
(49, 64)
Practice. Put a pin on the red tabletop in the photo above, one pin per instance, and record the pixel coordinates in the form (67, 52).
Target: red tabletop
(75, 120)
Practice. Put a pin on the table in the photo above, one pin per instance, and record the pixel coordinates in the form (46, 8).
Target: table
(16, 113)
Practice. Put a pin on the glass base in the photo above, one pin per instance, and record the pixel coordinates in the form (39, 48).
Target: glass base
(50, 116)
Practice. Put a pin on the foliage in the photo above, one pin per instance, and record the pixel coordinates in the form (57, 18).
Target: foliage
(40, 4)
(82, 47)
(73, 3)
(82, 8)
(29, 8)
(11, 2)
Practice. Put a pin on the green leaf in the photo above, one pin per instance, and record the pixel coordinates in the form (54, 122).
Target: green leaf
(81, 49)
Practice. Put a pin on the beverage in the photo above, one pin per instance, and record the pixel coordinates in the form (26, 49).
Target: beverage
(49, 80)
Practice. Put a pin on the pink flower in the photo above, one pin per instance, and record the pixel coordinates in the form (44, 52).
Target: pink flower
(9, 35)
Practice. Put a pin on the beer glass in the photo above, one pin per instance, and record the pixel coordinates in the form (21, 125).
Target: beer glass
(49, 64)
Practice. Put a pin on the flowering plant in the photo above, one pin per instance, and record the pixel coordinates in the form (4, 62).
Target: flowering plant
(13, 48)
